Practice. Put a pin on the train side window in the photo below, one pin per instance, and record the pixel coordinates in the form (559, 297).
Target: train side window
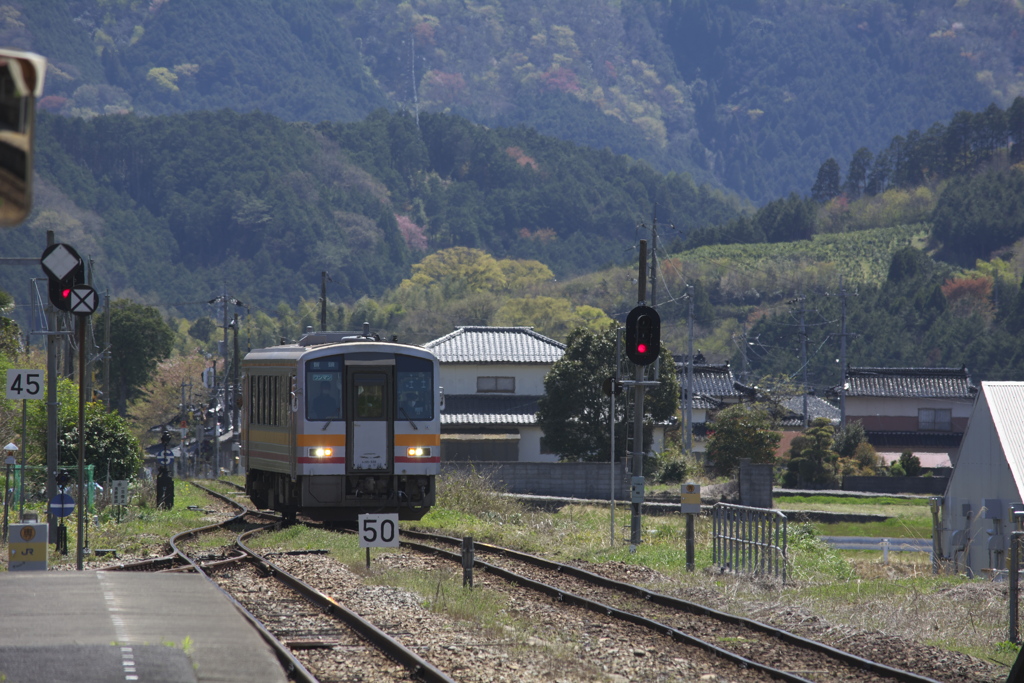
(263, 400)
(275, 419)
(253, 380)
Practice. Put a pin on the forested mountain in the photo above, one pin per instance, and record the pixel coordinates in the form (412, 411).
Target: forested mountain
(176, 208)
(424, 154)
(748, 94)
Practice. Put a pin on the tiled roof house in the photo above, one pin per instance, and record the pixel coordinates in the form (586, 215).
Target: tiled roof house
(924, 410)
(492, 379)
(714, 388)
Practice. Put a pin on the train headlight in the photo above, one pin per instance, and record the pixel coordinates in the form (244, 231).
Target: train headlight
(322, 452)
(417, 451)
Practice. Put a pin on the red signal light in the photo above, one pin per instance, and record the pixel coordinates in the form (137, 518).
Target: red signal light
(641, 348)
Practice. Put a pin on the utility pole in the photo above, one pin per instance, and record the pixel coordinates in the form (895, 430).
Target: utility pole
(654, 275)
(323, 300)
(842, 357)
(803, 354)
(236, 420)
(638, 420)
(84, 372)
(745, 373)
(225, 300)
(52, 462)
(106, 350)
(689, 372)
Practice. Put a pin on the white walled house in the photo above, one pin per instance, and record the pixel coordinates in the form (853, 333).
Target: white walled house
(714, 388)
(492, 379)
(923, 410)
(987, 479)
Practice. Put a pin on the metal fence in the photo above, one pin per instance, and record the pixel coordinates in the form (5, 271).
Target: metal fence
(749, 539)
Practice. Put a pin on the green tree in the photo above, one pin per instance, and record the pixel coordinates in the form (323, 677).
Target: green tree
(139, 339)
(109, 444)
(739, 432)
(457, 272)
(812, 461)
(574, 411)
(857, 174)
(826, 187)
(550, 316)
(202, 329)
(910, 464)
(848, 438)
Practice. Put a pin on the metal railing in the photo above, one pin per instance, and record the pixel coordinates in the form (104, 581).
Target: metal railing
(749, 539)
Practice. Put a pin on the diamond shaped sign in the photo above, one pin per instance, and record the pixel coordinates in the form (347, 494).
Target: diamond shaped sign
(59, 260)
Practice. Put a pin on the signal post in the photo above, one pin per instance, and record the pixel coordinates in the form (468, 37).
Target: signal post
(643, 342)
(68, 292)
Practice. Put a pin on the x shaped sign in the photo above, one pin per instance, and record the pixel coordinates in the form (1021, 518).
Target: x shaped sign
(83, 300)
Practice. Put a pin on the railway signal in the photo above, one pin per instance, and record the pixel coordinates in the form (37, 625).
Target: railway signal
(66, 271)
(643, 335)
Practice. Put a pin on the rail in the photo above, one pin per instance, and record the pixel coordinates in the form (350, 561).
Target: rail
(749, 539)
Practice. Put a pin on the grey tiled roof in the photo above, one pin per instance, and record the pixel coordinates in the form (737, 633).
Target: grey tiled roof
(477, 409)
(816, 407)
(909, 383)
(496, 345)
(715, 381)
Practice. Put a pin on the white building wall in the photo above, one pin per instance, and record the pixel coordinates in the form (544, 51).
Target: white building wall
(981, 475)
(903, 407)
(529, 446)
(460, 378)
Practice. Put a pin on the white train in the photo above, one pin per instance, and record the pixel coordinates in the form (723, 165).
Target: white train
(339, 424)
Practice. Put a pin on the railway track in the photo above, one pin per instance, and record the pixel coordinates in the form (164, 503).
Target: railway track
(303, 625)
(757, 646)
(622, 614)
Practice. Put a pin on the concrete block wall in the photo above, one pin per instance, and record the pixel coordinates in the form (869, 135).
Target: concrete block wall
(568, 479)
(755, 485)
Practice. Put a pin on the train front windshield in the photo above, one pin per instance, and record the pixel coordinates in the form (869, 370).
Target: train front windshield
(414, 379)
(323, 388)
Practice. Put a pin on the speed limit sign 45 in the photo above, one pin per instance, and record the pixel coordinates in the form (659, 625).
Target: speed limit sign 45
(24, 384)
(378, 531)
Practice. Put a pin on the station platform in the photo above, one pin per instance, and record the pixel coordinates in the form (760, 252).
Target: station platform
(98, 626)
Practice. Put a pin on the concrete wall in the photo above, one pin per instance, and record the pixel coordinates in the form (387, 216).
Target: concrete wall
(755, 485)
(568, 479)
(935, 486)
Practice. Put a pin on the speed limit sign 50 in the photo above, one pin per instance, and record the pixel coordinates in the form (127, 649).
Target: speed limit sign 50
(378, 531)
(24, 384)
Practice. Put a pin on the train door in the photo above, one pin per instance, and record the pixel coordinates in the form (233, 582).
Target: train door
(370, 437)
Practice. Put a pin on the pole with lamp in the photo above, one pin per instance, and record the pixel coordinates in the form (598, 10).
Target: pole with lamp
(9, 459)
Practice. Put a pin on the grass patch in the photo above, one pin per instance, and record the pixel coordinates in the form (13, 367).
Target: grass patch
(143, 529)
(832, 502)
(850, 589)
(908, 517)
(896, 527)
